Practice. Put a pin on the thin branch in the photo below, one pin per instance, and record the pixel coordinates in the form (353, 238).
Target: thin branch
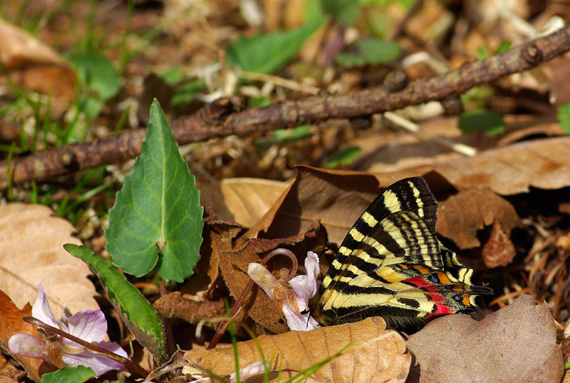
(223, 117)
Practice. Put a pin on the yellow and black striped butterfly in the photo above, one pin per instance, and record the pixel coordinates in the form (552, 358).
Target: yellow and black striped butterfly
(392, 265)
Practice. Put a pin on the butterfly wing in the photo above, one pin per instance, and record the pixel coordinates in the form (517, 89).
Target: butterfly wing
(392, 265)
(411, 194)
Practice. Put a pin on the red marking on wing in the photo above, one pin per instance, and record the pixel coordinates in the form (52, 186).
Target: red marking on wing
(418, 282)
(436, 297)
(440, 310)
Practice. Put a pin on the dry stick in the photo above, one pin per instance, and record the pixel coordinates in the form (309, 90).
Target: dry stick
(223, 118)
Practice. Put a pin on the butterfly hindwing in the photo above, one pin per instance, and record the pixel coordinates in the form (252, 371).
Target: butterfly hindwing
(392, 265)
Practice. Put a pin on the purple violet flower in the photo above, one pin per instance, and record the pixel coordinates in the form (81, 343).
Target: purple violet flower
(89, 325)
(297, 293)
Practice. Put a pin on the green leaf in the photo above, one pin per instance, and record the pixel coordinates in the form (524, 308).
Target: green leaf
(157, 218)
(482, 119)
(344, 10)
(267, 53)
(370, 51)
(564, 117)
(504, 46)
(136, 312)
(187, 92)
(77, 374)
(343, 157)
(285, 135)
(97, 73)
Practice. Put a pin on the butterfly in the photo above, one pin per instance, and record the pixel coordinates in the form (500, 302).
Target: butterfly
(392, 265)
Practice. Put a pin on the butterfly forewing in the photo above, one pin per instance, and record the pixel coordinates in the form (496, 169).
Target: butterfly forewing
(392, 265)
(411, 195)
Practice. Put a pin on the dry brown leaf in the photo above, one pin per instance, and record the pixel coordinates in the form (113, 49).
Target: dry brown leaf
(514, 344)
(32, 252)
(542, 164)
(34, 65)
(499, 250)
(11, 323)
(177, 305)
(242, 200)
(336, 198)
(375, 354)
(470, 210)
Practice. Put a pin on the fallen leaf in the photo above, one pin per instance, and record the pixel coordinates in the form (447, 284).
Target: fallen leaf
(335, 198)
(515, 344)
(242, 200)
(177, 305)
(32, 252)
(11, 323)
(499, 250)
(34, 65)
(508, 170)
(470, 210)
(375, 354)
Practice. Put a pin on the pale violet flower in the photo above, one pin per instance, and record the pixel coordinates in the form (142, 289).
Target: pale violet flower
(88, 325)
(303, 287)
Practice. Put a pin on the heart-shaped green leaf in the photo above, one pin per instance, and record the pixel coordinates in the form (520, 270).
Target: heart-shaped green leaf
(157, 217)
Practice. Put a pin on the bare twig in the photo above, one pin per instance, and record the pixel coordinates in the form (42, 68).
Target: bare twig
(223, 117)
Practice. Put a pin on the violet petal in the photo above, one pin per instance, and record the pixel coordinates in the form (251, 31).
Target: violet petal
(89, 325)
(27, 345)
(41, 310)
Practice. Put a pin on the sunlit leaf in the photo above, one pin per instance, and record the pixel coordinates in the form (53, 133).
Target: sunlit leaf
(267, 53)
(156, 221)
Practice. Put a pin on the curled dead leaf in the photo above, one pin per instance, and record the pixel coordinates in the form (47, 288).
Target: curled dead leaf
(499, 250)
(335, 198)
(515, 344)
(470, 210)
(375, 354)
